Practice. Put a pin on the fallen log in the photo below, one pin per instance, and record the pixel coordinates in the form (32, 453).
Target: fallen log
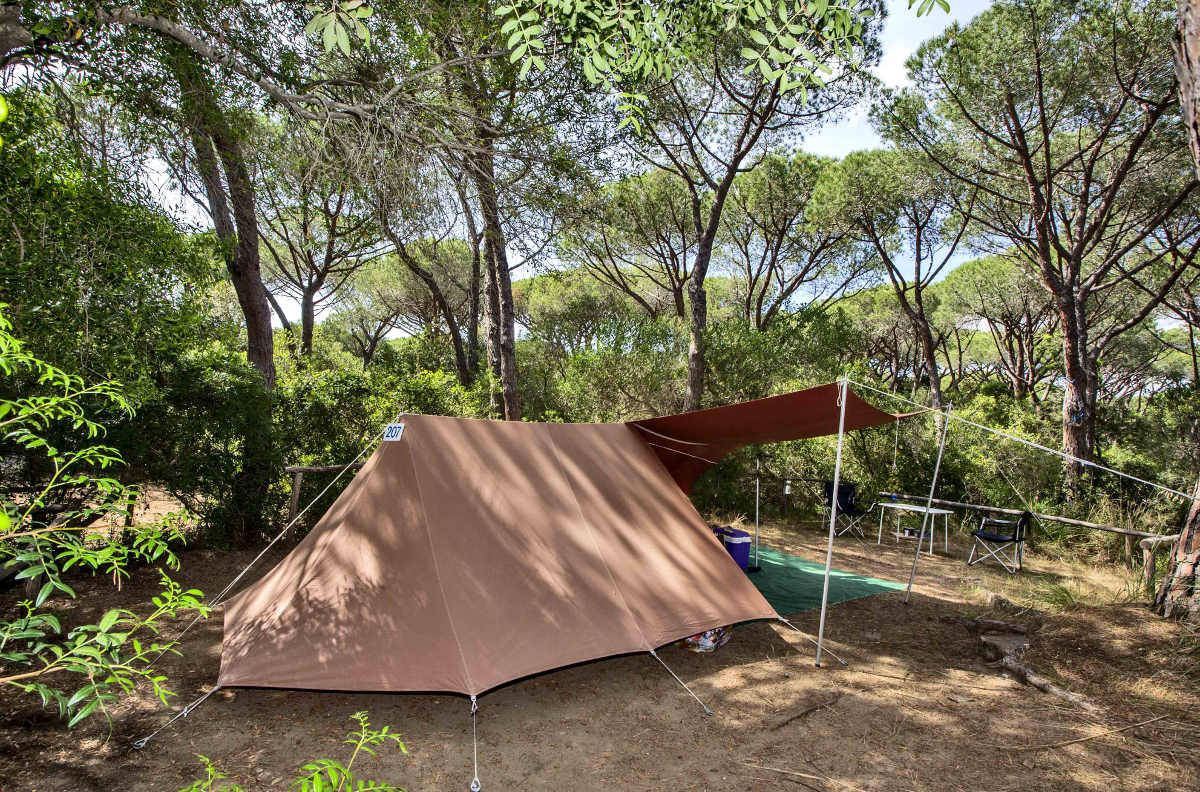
(1003, 643)
(1024, 674)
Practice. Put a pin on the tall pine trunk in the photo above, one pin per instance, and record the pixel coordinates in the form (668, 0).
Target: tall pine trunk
(1179, 597)
(503, 312)
(231, 204)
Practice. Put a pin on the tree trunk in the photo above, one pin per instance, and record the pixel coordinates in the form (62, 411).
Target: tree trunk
(492, 331)
(1079, 392)
(474, 292)
(236, 223)
(465, 374)
(504, 320)
(235, 217)
(698, 298)
(308, 316)
(1186, 48)
(1179, 597)
(696, 328)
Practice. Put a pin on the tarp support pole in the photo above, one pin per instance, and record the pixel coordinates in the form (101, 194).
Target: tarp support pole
(757, 477)
(833, 506)
(937, 466)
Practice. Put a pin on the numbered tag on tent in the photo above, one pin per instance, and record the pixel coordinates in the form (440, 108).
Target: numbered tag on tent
(393, 432)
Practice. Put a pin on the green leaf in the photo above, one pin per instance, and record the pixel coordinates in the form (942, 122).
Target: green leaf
(43, 593)
(108, 620)
(88, 709)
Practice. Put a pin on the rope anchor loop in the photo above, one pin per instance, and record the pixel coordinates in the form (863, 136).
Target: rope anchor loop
(475, 785)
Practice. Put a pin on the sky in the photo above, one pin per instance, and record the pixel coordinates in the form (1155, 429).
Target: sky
(903, 32)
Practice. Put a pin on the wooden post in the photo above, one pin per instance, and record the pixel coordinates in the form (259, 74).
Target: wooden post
(1129, 550)
(1148, 567)
(294, 505)
(298, 472)
(1150, 546)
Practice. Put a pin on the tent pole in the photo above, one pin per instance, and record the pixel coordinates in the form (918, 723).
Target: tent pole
(833, 506)
(757, 482)
(937, 466)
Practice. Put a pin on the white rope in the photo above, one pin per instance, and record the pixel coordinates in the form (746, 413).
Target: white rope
(183, 713)
(1031, 444)
(707, 711)
(667, 437)
(812, 640)
(677, 451)
(475, 785)
(219, 599)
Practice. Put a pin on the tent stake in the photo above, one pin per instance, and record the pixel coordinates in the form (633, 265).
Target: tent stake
(937, 466)
(837, 476)
(475, 785)
(707, 711)
(183, 713)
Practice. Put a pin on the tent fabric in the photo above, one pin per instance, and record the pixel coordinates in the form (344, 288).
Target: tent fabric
(690, 443)
(472, 553)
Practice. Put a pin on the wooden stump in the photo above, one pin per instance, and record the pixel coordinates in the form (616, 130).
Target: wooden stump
(1149, 564)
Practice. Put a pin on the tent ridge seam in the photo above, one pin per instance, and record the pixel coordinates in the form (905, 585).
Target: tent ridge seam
(437, 572)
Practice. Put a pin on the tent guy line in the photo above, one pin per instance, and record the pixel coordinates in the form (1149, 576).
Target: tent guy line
(684, 453)
(1030, 443)
(648, 430)
(218, 600)
(183, 713)
(707, 711)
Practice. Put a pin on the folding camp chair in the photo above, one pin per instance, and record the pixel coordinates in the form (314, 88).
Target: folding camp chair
(1003, 540)
(849, 515)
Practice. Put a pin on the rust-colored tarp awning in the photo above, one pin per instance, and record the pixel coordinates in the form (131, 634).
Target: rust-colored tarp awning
(690, 443)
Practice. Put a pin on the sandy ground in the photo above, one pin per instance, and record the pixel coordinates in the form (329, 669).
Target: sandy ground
(916, 708)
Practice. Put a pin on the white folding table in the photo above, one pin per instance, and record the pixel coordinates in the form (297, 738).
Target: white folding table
(915, 508)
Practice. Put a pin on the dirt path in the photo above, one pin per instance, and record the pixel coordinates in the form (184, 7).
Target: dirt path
(916, 709)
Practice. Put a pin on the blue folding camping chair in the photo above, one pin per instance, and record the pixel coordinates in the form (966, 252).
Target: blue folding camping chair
(1003, 540)
(849, 515)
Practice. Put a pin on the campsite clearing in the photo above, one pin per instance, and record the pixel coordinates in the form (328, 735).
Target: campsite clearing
(918, 708)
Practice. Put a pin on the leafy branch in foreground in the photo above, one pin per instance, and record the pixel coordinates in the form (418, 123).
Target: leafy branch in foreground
(60, 523)
(319, 775)
(616, 41)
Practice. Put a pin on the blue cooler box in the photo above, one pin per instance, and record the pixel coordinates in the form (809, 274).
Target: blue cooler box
(738, 544)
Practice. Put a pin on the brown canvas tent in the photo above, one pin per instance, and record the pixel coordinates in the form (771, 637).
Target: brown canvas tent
(470, 553)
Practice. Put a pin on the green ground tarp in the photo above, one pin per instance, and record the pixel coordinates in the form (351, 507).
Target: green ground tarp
(792, 584)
